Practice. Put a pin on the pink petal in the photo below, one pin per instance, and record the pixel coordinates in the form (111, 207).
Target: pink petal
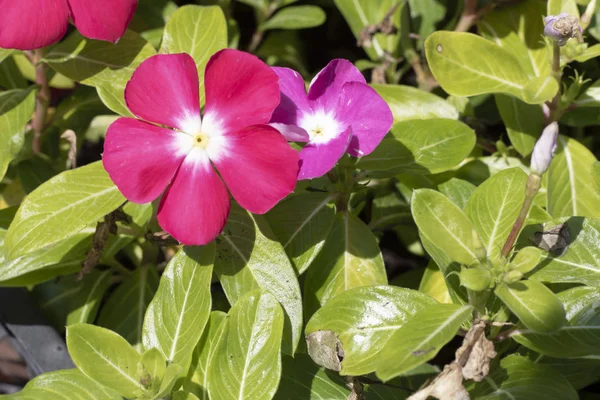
(195, 207)
(102, 20)
(294, 100)
(291, 133)
(318, 159)
(164, 89)
(31, 24)
(241, 90)
(141, 159)
(369, 116)
(325, 89)
(259, 167)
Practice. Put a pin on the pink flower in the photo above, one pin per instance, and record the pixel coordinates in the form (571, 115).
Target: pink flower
(31, 24)
(179, 150)
(340, 114)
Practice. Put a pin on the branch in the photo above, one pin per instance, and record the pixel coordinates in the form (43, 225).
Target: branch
(42, 99)
(471, 15)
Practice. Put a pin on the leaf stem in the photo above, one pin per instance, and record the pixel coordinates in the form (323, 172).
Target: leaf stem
(42, 100)
(534, 183)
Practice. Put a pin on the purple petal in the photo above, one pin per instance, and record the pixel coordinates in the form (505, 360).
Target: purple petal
(294, 101)
(369, 116)
(291, 133)
(318, 159)
(325, 89)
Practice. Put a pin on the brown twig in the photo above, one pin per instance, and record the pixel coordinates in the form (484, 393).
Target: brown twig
(161, 238)
(471, 15)
(356, 388)
(71, 137)
(42, 98)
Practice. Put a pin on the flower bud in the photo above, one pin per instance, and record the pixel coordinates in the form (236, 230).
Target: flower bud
(562, 27)
(544, 149)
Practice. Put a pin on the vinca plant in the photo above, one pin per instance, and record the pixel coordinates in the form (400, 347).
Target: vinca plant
(311, 199)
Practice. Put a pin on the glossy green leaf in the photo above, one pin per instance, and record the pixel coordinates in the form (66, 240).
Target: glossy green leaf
(364, 319)
(68, 384)
(179, 311)
(580, 372)
(570, 189)
(534, 304)
(580, 337)
(60, 208)
(105, 357)
(466, 65)
(10, 75)
(407, 102)
(422, 147)
(518, 28)
(198, 31)
(197, 379)
(495, 206)
(524, 122)
(441, 221)
(596, 176)
(301, 223)
(183, 395)
(126, 306)
(248, 258)
(433, 284)
(556, 7)
(457, 191)
(172, 374)
(360, 13)
(247, 361)
(518, 378)
(476, 279)
(296, 17)
(302, 379)
(420, 339)
(350, 258)
(389, 211)
(16, 109)
(5, 53)
(71, 301)
(155, 365)
(526, 260)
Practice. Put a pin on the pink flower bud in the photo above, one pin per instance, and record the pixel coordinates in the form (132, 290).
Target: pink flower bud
(544, 149)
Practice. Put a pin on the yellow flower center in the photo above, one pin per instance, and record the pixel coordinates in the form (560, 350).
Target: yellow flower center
(201, 140)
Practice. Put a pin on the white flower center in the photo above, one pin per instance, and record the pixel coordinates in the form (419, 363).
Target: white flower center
(321, 127)
(205, 137)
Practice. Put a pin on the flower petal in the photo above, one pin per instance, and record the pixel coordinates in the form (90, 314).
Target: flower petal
(318, 159)
(291, 133)
(325, 89)
(259, 167)
(102, 20)
(294, 100)
(241, 90)
(369, 116)
(31, 24)
(141, 159)
(164, 89)
(195, 207)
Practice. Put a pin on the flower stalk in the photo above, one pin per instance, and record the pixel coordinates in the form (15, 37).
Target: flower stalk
(42, 100)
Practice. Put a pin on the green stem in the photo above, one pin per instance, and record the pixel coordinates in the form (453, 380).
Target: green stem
(534, 183)
(557, 74)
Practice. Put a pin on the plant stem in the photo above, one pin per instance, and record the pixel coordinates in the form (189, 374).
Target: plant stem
(42, 100)
(534, 183)
(586, 18)
(557, 74)
(258, 35)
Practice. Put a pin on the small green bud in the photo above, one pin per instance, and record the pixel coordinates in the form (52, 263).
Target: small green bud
(477, 279)
(512, 277)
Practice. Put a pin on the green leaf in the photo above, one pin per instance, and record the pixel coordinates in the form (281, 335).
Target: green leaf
(526, 260)
(524, 122)
(389, 211)
(68, 384)
(350, 258)
(105, 357)
(407, 102)
(556, 7)
(60, 208)
(518, 378)
(172, 374)
(249, 258)
(420, 339)
(16, 109)
(71, 301)
(422, 147)
(183, 35)
(433, 284)
(580, 372)
(5, 53)
(495, 206)
(197, 379)
(155, 365)
(580, 337)
(10, 75)
(182, 395)
(441, 221)
(179, 311)
(247, 361)
(296, 17)
(457, 191)
(360, 13)
(301, 223)
(33, 172)
(519, 28)
(126, 306)
(570, 189)
(364, 319)
(302, 379)
(534, 304)
(466, 65)
(427, 14)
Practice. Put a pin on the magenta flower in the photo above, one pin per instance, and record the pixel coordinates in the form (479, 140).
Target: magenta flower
(31, 24)
(179, 150)
(340, 114)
